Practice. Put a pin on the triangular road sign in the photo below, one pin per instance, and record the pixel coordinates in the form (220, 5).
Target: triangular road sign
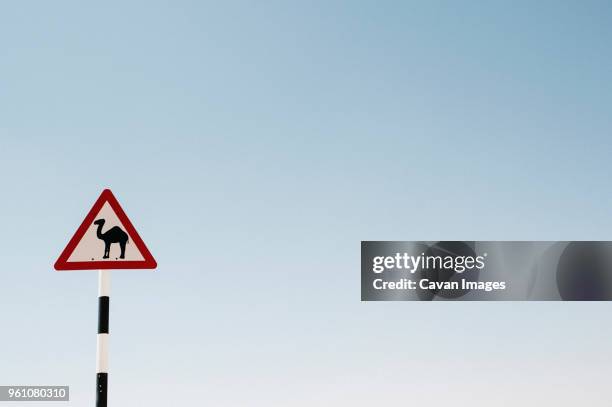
(106, 240)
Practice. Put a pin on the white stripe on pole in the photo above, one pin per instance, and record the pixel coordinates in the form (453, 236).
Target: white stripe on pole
(104, 283)
(102, 356)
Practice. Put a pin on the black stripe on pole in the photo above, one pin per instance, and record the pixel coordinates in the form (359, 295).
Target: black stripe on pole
(101, 389)
(103, 307)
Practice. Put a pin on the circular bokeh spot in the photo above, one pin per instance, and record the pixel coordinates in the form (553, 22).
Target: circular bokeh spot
(584, 272)
(438, 273)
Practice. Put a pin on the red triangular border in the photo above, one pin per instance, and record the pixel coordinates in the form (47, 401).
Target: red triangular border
(107, 196)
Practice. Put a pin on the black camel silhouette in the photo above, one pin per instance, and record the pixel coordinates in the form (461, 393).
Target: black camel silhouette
(112, 235)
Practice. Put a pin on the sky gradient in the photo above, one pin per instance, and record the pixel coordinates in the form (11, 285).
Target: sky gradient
(254, 146)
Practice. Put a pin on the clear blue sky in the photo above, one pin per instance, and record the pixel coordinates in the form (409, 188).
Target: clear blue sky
(254, 145)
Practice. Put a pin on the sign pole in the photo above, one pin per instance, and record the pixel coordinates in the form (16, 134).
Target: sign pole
(102, 345)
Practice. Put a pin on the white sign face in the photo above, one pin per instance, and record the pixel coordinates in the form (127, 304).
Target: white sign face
(106, 239)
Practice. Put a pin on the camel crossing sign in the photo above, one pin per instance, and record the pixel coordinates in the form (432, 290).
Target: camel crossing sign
(106, 240)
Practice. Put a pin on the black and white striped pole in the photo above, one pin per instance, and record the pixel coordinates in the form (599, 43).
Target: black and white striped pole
(102, 346)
